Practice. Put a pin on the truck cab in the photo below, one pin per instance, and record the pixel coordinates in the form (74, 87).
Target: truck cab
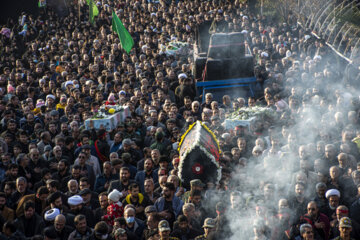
(223, 64)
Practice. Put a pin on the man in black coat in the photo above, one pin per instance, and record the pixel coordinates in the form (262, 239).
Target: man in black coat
(123, 184)
(31, 223)
(76, 207)
(60, 229)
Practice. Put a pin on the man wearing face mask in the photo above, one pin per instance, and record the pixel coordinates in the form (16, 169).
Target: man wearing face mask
(133, 224)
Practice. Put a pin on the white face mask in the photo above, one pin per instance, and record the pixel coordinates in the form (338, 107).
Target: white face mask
(104, 236)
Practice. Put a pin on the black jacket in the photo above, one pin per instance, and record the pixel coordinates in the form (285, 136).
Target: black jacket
(30, 227)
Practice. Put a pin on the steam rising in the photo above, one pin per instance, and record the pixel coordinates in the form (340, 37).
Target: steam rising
(322, 113)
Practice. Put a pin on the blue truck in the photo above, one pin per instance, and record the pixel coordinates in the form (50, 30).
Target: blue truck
(223, 64)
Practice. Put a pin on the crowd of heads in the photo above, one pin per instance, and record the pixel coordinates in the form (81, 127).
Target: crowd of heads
(293, 176)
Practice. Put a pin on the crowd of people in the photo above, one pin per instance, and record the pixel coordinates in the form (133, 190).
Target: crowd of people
(295, 176)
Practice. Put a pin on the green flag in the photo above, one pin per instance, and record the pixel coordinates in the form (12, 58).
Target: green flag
(93, 10)
(42, 3)
(125, 38)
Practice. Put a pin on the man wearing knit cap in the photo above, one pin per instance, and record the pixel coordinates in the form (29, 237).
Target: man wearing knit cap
(76, 207)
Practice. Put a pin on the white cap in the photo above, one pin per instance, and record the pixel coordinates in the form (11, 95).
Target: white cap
(182, 75)
(89, 82)
(75, 200)
(50, 96)
(306, 37)
(332, 192)
(51, 214)
(264, 54)
(115, 195)
(288, 53)
(317, 57)
(67, 83)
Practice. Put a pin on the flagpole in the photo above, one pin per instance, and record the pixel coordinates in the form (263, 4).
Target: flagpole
(79, 11)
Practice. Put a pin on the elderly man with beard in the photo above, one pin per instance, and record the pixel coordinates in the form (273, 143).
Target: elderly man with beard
(82, 231)
(60, 229)
(333, 196)
(73, 188)
(76, 207)
(319, 221)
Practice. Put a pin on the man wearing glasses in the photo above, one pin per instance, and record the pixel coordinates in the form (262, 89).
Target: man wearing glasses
(319, 221)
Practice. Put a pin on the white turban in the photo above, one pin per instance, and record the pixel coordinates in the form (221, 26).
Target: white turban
(75, 200)
(51, 214)
(332, 192)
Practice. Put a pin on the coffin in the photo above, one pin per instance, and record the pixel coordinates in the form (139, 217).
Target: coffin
(199, 155)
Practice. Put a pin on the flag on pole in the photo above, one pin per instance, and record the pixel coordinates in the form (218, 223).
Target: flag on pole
(125, 38)
(42, 3)
(93, 10)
